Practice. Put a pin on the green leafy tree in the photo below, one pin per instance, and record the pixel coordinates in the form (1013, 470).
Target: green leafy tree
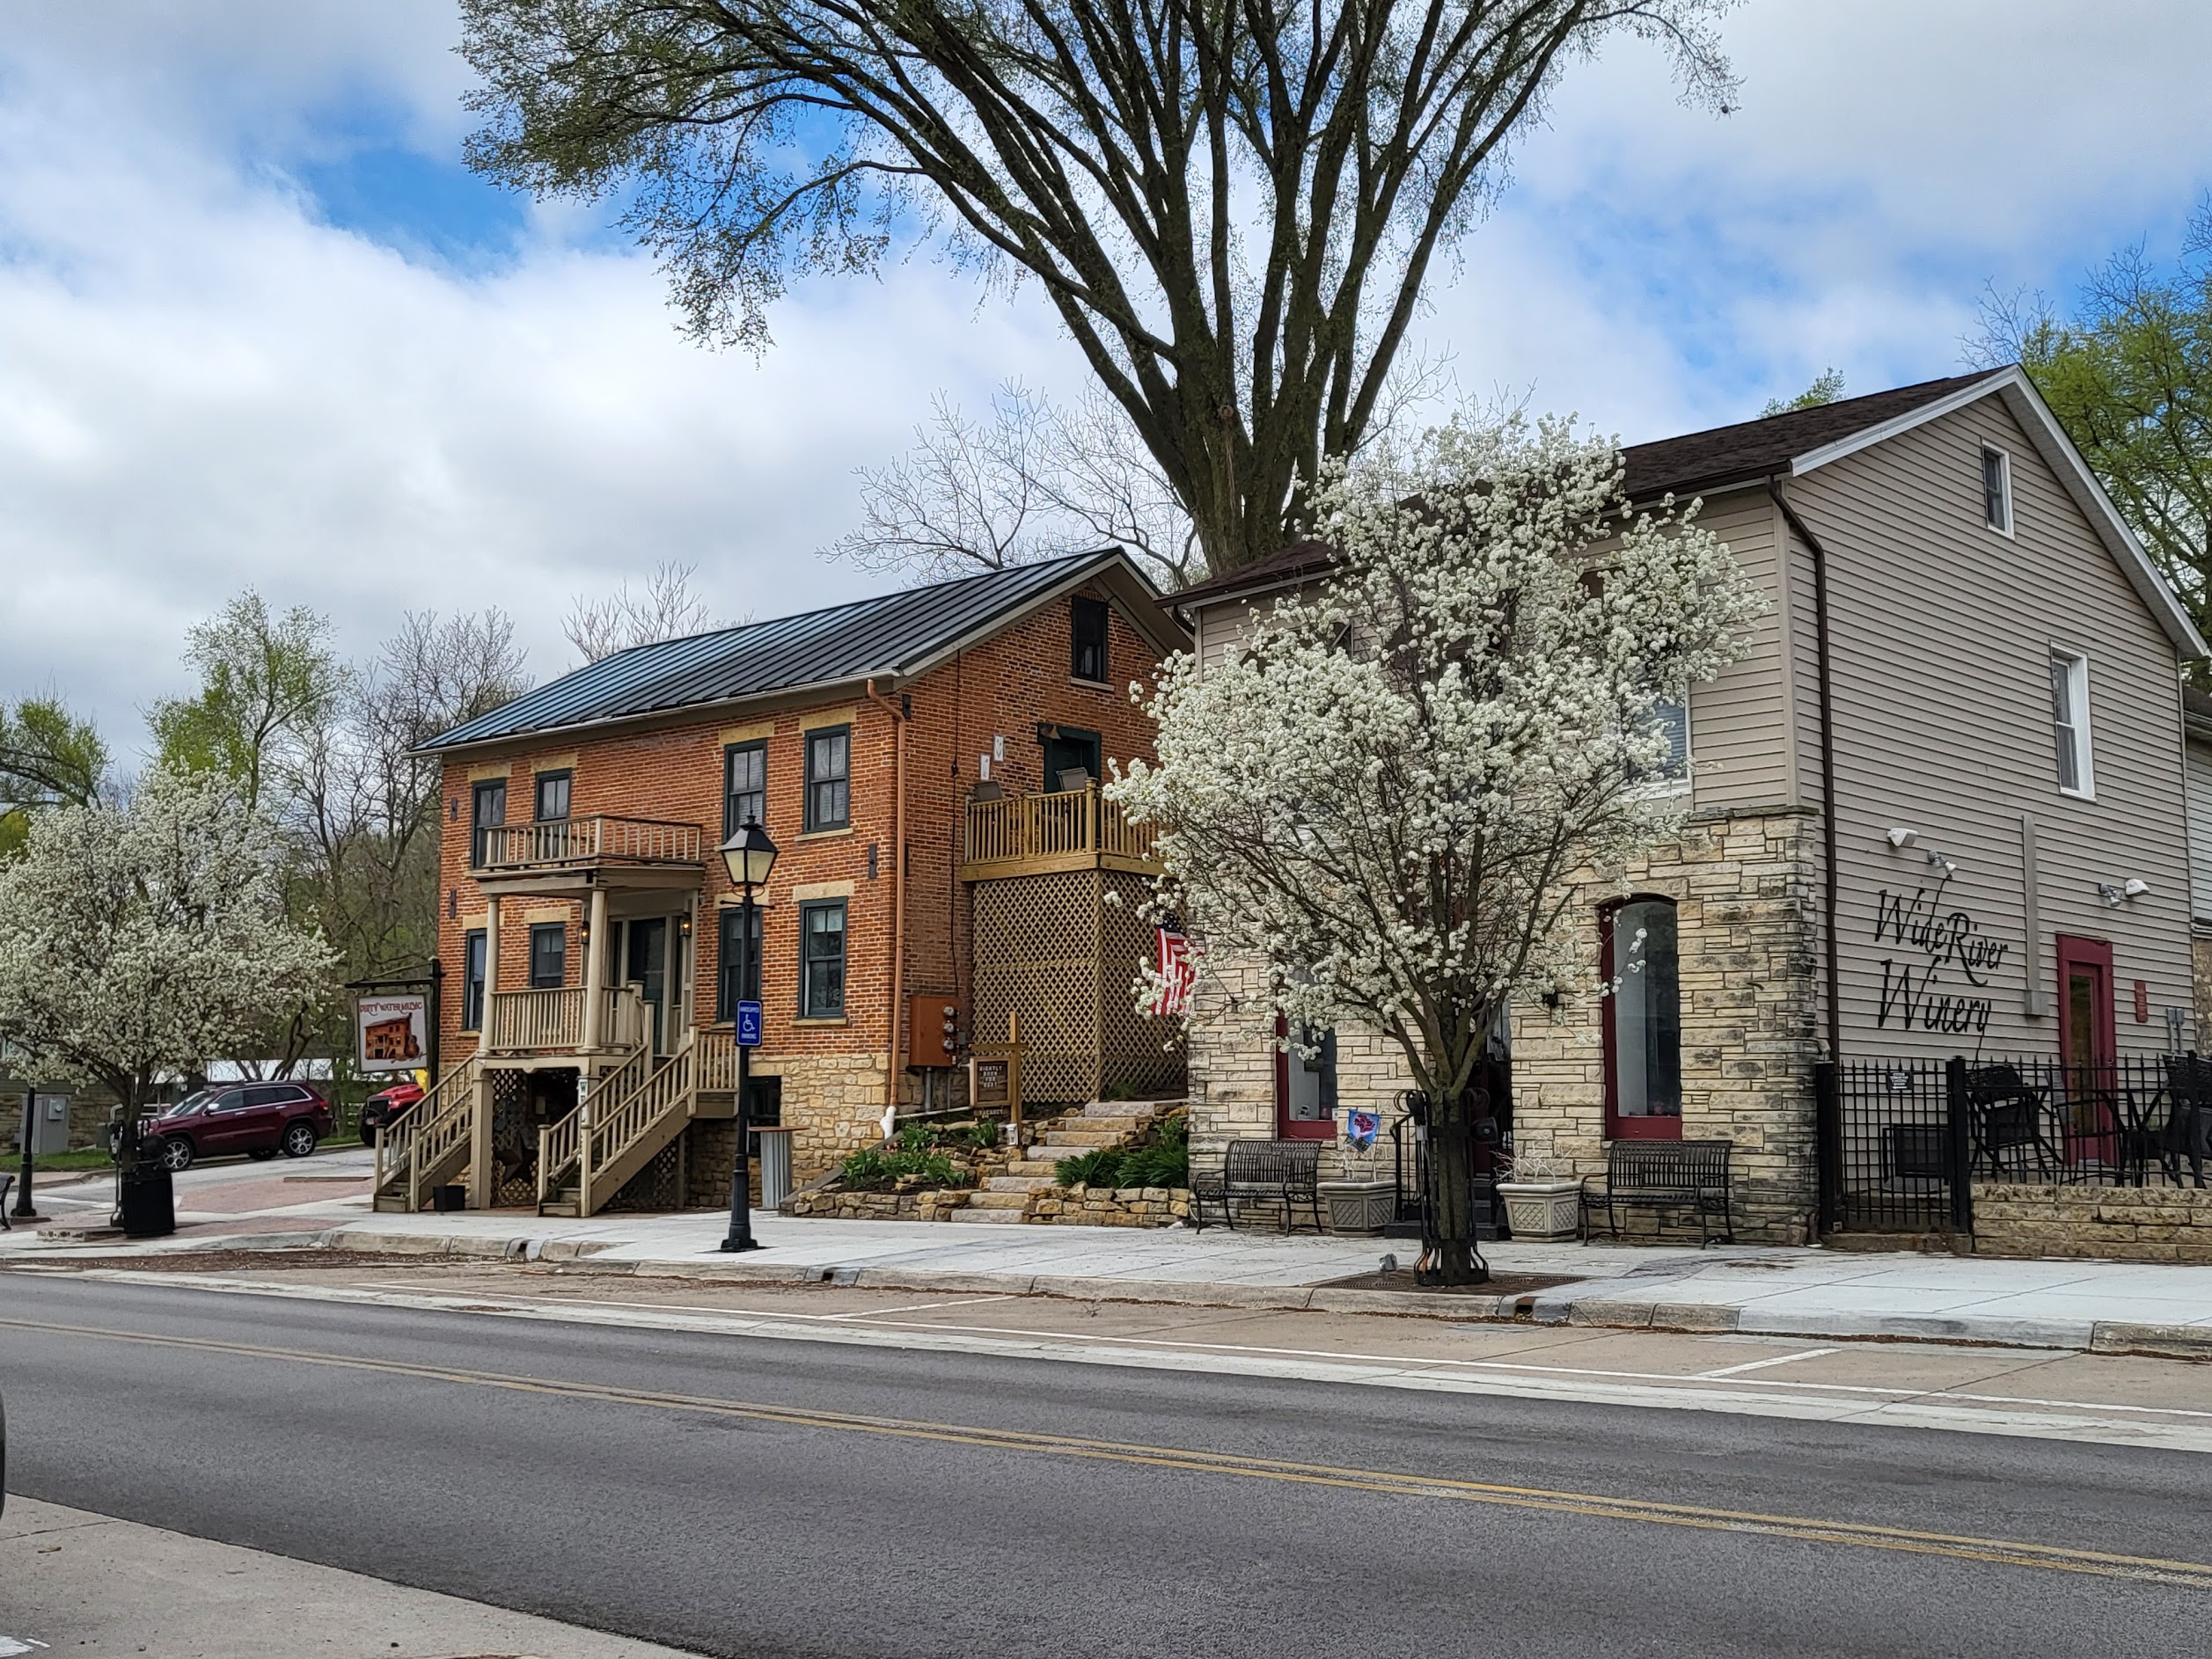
(2128, 373)
(269, 684)
(48, 758)
(1825, 389)
(1234, 210)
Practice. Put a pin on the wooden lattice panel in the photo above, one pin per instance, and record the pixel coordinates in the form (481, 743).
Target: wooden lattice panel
(1134, 1048)
(1037, 953)
(1048, 947)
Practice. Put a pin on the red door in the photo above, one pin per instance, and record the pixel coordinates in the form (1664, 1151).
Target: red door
(2087, 1043)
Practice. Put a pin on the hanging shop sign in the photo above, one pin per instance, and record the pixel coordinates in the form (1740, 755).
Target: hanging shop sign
(392, 1033)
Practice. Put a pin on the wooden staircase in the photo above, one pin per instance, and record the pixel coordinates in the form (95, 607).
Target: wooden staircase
(1005, 1199)
(619, 1127)
(429, 1145)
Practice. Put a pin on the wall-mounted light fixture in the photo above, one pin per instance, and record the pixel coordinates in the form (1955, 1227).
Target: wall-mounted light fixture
(2134, 886)
(1903, 838)
(2117, 892)
(1942, 861)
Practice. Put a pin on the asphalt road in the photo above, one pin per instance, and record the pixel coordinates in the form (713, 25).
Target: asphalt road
(754, 1497)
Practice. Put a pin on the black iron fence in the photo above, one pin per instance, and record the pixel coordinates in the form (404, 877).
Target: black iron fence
(1902, 1142)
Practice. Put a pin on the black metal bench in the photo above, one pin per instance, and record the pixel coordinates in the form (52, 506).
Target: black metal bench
(1283, 1173)
(1664, 1175)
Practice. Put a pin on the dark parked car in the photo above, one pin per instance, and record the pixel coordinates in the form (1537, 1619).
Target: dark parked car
(257, 1119)
(385, 1108)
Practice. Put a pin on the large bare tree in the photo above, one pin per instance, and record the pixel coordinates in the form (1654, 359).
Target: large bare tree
(1234, 208)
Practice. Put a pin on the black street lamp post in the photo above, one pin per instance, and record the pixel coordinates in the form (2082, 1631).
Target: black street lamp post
(24, 1209)
(750, 856)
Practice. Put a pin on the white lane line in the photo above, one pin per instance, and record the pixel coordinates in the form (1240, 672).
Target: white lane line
(917, 1307)
(1762, 1364)
(1919, 1408)
(1141, 1350)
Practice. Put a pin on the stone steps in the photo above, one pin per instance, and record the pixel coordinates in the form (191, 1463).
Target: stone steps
(1017, 1182)
(998, 1199)
(1083, 1139)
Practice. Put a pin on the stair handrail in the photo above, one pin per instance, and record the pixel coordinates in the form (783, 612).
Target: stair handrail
(426, 1128)
(561, 1144)
(622, 1123)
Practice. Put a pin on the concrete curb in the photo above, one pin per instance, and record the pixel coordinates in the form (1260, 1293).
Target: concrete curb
(1592, 1302)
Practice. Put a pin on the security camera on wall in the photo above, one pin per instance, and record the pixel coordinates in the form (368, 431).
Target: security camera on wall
(1903, 838)
(2136, 887)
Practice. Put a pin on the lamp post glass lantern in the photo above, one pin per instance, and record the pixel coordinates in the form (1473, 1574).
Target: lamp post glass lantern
(748, 855)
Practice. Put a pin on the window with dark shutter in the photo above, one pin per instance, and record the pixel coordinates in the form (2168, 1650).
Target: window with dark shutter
(829, 763)
(1087, 620)
(549, 955)
(744, 787)
(822, 960)
(737, 977)
(553, 796)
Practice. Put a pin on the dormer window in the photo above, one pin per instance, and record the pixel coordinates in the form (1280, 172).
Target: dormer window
(1996, 490)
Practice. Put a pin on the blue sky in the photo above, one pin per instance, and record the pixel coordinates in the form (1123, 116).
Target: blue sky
(258, 326)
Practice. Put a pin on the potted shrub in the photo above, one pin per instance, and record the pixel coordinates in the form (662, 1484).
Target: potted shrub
(1360, 1203)
(1543, 1199)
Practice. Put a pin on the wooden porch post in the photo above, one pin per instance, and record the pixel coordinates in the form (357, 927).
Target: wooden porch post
(479, 1133)
(595, 971)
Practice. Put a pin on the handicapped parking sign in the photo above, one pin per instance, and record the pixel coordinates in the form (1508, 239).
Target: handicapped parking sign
(748, 1024)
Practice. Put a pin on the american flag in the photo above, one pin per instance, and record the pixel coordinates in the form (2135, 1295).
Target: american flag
(1177, 972)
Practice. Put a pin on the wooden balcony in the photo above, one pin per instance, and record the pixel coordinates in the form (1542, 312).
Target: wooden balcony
(552, 1021)
(570, 854)
(1039, 835)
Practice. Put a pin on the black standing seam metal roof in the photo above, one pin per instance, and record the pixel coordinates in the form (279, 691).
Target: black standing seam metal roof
(887, 636)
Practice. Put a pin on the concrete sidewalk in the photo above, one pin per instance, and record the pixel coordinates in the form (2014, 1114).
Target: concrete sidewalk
(1771, 1290)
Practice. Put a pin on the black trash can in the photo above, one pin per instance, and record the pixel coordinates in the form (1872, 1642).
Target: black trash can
(147, 1204)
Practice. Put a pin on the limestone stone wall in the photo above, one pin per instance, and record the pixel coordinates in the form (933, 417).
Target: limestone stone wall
(1231, 1081)
(1051, 1206)
(833, 1105)
(1746, 885)
(2117, 1224)
(1746, 889)
(2201, 982)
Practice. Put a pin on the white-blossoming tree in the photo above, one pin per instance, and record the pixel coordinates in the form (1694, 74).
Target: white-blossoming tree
(1386, 796)
(139, 940)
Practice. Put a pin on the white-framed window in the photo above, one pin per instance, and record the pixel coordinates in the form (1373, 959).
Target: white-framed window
(2070, 722)
(1996, 490)
(1668, 721)
(1671, 715)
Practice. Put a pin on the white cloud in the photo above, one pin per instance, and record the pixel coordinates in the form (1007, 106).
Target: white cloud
(204, 385)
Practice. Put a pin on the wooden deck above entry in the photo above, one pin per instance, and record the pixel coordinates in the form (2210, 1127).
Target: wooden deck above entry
(1043, 834)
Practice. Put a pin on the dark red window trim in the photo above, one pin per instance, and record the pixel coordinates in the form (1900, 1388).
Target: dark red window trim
(1286, 1129)
(1616, 1127)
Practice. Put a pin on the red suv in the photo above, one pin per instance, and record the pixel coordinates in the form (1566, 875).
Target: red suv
(257, 1119)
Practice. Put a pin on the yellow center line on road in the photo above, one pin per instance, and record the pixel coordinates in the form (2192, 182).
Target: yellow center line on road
(2001, 1552)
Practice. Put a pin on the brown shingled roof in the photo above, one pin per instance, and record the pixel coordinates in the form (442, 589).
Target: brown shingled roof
(1694, 462)
(1753, 450)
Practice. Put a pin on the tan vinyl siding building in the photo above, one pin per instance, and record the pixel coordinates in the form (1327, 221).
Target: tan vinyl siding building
(1866, 524)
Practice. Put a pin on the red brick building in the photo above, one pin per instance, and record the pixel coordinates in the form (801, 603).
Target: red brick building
(926, 763)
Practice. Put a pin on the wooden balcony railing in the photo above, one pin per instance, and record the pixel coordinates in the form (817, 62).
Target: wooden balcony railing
(530, 1021)
(599, 839)
(1071, 829)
